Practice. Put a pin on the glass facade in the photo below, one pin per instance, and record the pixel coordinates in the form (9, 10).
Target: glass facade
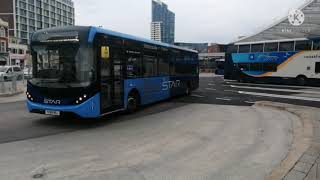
(163, 16)
(32, 15)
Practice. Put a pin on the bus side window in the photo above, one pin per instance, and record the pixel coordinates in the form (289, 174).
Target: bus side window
(316, 45)
(256, 48)
(269, 67)
(244, 67)
(164, 63)
(286, 46)
(244, 49)
(149, 65)
(134, 63)
(303, 45)
(271, 47)
(317, 69)
(232, 49)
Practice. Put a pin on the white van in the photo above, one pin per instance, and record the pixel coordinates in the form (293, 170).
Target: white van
(8, 72)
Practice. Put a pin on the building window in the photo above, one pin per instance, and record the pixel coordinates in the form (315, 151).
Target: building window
(2, 32)
(3, 46)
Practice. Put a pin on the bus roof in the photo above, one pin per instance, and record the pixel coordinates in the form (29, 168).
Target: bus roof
(94, 30)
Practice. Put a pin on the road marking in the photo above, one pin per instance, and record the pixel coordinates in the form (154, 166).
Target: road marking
(223, 99)
(250, 102)
(227, 80)
(196, 95)
(230, 91)
(274, 85)
(211, 84)
(280, 96)
(278, 90)
(210, 89)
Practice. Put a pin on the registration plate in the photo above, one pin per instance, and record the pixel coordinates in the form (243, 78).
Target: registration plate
(53, 113)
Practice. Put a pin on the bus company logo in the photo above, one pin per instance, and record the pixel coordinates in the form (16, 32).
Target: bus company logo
(252, 57)
(296, 17)
(166, 85)
(266, 58)
(50, 101)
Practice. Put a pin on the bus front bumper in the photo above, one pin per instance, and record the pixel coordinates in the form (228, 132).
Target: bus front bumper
(88, 109)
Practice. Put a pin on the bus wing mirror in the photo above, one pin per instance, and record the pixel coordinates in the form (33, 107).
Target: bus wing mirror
(105, 52)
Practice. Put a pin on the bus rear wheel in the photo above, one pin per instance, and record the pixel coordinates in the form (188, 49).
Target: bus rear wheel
(133, 103)
(301, 80)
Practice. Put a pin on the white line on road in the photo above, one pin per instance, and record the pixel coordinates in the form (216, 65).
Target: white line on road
(230, 91)
(278, 90)
(223, 99)
(280, 96)
(210, 84)
(196, 95)
(210, 89)
(274, 85)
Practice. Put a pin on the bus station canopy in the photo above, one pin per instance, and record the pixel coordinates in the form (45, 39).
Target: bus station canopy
(283, 29)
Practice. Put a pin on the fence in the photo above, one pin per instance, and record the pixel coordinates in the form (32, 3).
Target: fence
(12, 85)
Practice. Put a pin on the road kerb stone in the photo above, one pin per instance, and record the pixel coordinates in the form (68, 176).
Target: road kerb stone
(302, 141)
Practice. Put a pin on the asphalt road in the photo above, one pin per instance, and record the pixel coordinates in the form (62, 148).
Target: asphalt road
(194, 141)
(17, 124)
(213, 134)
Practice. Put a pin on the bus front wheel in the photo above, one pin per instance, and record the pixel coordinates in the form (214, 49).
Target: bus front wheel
(133, 103)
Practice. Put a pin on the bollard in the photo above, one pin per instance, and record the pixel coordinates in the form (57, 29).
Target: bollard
(3, 88)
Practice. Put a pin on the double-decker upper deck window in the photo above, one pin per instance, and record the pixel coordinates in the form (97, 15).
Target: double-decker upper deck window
(232, 49)
(303, 45)
(271, 47)
(244, 48)
(316, 45)
(256, 48)
(286, 46)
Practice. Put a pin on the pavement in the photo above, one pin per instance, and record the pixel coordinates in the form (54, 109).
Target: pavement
(206, 144)
(9, 95)
(224, 130)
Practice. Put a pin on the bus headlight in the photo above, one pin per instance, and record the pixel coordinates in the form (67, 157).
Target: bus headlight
(81, 99)
(29, 96)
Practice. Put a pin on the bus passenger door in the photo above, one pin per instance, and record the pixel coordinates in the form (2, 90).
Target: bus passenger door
(112, 86)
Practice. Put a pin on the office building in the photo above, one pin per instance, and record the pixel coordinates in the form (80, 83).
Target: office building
(163, 23)
(26, 16)
(4, 42)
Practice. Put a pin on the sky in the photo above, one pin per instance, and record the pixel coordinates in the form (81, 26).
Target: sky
(212, 21)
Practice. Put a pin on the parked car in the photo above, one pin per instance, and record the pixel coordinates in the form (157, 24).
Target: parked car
(27, 72)
(9, 72)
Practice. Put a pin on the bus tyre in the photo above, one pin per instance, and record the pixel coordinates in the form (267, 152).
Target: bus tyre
(133, 103)
(188, 91)
(301, 80)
